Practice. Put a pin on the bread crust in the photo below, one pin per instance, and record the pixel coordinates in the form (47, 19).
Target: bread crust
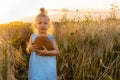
(41, 41)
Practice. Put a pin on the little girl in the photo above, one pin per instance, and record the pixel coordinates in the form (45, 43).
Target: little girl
(42, 63)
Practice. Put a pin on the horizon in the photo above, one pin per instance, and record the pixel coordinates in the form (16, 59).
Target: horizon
(17, 9)
(55, 15)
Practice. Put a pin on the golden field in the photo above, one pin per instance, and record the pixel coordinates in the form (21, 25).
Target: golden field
(89, 49)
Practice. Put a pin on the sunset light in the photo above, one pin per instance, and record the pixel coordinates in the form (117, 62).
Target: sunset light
(11, 10)
(59, 39)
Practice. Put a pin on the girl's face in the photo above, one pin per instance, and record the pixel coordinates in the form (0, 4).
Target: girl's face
(42, 24)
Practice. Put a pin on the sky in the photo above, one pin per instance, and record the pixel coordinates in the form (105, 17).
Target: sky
(11, 10)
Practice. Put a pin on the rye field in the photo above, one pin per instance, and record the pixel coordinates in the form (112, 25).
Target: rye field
(89, 49)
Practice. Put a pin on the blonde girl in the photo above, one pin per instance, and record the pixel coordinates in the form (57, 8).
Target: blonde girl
(42, 63)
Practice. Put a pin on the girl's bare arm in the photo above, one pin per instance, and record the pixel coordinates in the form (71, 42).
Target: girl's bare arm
(28, 49)
(31, 47)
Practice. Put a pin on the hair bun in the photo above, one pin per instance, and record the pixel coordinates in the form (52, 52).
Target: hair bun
(43, 11)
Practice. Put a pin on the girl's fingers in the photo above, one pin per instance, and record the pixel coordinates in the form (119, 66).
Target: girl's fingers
(40, 52)
(44, 47)
(34, 47)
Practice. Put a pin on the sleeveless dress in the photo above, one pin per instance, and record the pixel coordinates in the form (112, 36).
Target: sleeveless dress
(42, 67)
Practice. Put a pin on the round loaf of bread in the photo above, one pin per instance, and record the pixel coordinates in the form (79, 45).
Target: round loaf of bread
(41, 41)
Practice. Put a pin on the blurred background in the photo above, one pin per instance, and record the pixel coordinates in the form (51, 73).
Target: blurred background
(87, 33)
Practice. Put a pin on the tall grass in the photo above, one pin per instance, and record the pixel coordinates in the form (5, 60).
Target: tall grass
(13, 60)
(9, 60)
(90, 50)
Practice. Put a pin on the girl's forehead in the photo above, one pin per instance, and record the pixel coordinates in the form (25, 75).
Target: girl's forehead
(42, 19)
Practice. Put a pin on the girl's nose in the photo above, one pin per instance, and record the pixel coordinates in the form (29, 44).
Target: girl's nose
(42, 25)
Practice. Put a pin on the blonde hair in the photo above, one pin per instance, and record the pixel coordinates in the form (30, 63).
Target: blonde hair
(43, 13)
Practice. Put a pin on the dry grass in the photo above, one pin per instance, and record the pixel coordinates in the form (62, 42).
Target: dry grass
(90, 50)
(13, 61)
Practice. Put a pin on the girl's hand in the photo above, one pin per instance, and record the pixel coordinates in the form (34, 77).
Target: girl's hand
(32, 47)
(42, 52)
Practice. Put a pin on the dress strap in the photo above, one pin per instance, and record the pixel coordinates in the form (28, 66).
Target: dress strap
(51, 37)
(33, 36)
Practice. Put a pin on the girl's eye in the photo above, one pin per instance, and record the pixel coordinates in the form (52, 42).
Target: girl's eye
(45, 22)
(39, 23)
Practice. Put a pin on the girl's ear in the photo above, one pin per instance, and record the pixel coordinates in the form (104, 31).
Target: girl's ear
(35, 25)
(49, 24)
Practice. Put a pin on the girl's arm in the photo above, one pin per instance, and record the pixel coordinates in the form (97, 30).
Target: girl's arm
(45, 52)
(28, 49)
(30, 46)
